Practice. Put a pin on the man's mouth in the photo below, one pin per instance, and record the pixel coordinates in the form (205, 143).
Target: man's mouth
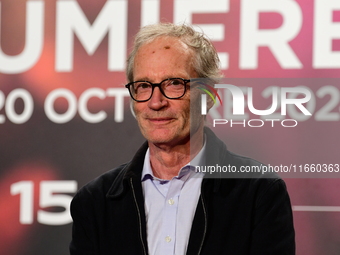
(160, 120)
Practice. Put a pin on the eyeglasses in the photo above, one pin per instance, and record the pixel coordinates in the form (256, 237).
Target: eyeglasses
(172, 88)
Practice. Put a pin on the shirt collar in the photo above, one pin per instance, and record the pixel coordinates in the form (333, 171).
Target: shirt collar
(198, 160)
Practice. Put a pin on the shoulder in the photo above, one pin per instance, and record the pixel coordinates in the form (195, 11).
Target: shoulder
(241, 160)
(113, 183)
(233, 165)
(98, 188)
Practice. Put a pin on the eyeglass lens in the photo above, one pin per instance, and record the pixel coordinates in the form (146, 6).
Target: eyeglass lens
(171, 88)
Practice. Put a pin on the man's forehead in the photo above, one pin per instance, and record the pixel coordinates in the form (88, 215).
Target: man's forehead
(164, 43)
(162, 58)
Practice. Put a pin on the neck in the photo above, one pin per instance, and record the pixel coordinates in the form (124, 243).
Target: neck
(166, 160)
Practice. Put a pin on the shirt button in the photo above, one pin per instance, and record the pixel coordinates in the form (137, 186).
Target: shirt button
(168, 239)
(171, 201)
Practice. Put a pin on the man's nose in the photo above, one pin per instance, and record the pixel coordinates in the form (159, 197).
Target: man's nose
(157, 100)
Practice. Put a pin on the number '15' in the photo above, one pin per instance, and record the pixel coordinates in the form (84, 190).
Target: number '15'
(48, 198)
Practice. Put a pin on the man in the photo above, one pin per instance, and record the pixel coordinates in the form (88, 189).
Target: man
(157, 203)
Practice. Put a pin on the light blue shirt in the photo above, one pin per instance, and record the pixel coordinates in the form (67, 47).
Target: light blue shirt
(170, 206)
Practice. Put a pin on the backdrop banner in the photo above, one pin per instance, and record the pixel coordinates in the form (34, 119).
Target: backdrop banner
(65, 115)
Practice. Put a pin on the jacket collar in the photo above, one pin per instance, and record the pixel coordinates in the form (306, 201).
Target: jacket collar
(215, 154)
(133, 170)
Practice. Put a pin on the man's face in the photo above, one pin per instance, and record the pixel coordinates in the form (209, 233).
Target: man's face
(163, 120)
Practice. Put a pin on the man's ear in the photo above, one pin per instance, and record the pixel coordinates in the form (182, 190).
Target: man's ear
(210, 101)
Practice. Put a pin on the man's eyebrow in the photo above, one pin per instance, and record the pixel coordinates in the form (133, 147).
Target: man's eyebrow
(141, 79)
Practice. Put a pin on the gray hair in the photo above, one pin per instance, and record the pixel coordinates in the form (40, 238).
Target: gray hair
(205, 62)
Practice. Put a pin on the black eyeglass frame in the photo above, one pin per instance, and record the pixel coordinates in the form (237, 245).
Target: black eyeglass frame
(153, 85)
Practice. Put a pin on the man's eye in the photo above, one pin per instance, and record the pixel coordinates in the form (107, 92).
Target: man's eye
(176, 82)
(142, 86)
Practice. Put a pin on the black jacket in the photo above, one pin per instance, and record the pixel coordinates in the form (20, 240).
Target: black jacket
(236, 216)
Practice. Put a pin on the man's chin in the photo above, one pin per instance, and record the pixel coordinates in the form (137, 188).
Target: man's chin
(160, 136)
(158, 139)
